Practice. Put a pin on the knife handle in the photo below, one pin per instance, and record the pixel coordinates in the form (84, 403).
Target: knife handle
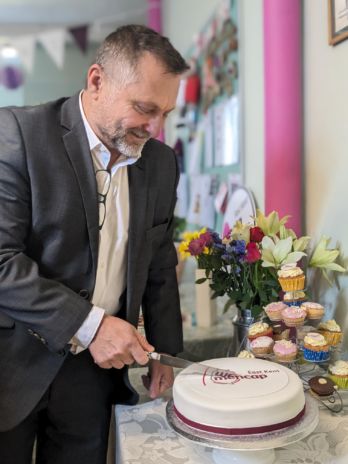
(154, 355)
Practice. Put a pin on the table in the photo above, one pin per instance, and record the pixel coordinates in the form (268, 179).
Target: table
(144, 437)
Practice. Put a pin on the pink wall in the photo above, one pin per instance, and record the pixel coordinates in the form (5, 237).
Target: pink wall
(154, 15)
(283, 109)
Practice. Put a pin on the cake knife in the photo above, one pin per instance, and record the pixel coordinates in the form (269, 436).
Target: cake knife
(173, 361)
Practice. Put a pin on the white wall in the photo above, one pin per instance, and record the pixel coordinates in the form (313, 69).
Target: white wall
(252, 93)
(326, 140)
(182, 19)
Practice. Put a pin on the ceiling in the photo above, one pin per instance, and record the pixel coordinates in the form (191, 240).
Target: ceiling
(23, 17)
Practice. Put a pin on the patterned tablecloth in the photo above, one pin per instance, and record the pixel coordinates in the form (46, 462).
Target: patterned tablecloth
(144, 437)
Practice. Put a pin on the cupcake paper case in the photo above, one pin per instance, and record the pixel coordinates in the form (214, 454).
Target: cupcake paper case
(315, 347)
(295, 298)
(291, 278)
(331, 331)
(338, 372)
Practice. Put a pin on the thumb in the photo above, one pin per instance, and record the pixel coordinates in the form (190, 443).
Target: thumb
(144, 343)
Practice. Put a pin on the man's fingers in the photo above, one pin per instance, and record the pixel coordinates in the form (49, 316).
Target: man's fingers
(143, 342)
(146, 381)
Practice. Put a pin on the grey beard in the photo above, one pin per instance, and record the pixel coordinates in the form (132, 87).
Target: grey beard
(130, 151)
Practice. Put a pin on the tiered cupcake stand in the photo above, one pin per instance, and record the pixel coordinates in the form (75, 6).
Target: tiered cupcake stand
(307, 369)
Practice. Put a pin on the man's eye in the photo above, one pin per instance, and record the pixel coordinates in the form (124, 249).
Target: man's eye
(142, 110)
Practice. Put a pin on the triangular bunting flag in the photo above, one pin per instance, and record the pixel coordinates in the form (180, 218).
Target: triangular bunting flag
(25, 45)
(80, 35)
(54, 43)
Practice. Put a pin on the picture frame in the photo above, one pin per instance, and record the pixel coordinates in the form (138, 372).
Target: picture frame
(337, 21)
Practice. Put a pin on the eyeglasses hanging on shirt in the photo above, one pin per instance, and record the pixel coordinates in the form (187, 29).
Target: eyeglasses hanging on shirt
(103, 177)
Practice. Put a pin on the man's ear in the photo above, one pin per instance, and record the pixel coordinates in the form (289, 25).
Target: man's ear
(94, 79)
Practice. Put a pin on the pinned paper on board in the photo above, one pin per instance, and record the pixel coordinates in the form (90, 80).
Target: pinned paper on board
(201, 210)
(241, 207)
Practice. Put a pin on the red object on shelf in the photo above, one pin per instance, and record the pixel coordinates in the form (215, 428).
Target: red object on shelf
(192, 89)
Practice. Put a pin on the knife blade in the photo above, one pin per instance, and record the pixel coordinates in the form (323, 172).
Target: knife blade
(173, 361)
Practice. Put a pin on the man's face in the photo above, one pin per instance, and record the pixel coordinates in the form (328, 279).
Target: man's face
(126, 117)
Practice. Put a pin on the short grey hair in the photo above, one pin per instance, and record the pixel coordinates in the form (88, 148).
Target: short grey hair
(125, 46)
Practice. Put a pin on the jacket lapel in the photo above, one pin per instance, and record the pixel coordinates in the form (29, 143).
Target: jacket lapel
(76, 144)
(138, 189)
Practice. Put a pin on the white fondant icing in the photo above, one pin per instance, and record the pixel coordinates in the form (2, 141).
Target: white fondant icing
(257, 393)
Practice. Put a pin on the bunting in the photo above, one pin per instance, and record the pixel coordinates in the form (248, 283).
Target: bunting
(80, 36)
(53, 42)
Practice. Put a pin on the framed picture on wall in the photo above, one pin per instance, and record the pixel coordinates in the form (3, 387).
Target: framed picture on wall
(338, 21)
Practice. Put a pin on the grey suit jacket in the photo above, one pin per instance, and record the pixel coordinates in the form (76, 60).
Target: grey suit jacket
(49, 247)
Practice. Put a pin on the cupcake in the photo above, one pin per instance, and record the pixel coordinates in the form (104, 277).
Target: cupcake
(291, 278)
(259, 329)
(331, 331)
(245, 354)
(262, 345)
(315, 347)
(313, 310)
(294, 298)
(274, 310)
(293, 316)
(280, 332)
(338, 372)
(285, 350)
(322, 386)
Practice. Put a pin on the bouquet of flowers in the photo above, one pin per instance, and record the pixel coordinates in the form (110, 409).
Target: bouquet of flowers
(243, 263)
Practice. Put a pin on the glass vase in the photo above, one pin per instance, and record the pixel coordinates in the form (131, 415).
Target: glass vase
(241, 322)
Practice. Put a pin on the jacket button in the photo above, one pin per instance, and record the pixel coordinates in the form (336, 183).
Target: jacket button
(84, 293)
(61, 352)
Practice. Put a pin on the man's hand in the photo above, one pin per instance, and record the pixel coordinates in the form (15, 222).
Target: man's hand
(158, 379)
(117, 343)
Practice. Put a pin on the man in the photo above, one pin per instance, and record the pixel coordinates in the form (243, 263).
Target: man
(86, 206)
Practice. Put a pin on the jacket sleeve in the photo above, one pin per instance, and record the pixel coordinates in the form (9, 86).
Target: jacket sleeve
(51, 311)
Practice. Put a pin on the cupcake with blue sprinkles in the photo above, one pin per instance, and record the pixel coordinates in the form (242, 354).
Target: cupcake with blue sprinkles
(315, 347)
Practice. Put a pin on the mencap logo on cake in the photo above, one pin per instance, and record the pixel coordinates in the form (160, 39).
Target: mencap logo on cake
(234, 377)
(245, 377)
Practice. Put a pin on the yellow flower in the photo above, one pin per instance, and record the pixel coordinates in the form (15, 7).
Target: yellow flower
(240, 231)
(191, 235)
(188, 236)
(183, 249)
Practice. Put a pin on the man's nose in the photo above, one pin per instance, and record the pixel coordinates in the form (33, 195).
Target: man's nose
(155, 125)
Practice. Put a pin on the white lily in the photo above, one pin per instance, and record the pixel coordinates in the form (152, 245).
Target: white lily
(277, 252)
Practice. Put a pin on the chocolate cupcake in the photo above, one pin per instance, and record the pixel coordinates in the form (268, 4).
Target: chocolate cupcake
(322, 386)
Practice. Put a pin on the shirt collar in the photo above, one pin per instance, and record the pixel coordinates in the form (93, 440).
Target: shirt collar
(93, 140)
(97, 146)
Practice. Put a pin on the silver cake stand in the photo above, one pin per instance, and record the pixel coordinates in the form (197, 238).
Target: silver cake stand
(248, 449)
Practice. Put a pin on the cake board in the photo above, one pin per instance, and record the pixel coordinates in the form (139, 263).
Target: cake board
(248, 449)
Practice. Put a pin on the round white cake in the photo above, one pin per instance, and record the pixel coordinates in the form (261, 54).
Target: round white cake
(256, 396)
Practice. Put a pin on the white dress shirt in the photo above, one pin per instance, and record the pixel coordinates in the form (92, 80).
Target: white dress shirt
(113, 237)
